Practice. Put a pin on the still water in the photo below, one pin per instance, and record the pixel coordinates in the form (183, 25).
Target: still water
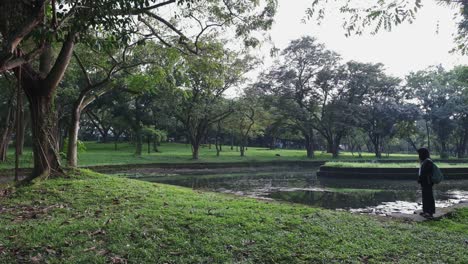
(382, 197)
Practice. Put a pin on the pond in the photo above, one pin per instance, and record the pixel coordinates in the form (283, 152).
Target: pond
(381, 197)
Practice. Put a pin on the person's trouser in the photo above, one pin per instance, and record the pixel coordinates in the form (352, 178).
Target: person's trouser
(428, 199)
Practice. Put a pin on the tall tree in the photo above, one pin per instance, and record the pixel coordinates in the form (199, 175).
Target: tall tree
(31, 29)
(439, 98)
(200, 102)
(293, 82)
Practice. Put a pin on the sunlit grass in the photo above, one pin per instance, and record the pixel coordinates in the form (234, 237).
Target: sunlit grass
(105, 154)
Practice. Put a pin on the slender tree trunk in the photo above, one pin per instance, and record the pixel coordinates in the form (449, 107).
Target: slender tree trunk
(7, 133)
(149, 144)
(428, 136)
(461, 148)
(242, 151)
(155, 147)
(138, 128)
(72, 151)
(218, 148)
(413, 145)
(443, 150)
(195, 150)
(360, 151)
(272, 143)
(139, 142)
(232, 141)
(217, 143)
(309, 142)
(23, 126)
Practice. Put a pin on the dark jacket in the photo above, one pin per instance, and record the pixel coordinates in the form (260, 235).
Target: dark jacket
(425, 176)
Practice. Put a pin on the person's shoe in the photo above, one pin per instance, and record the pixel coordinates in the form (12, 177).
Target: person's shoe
(422, 213)
(428, 216)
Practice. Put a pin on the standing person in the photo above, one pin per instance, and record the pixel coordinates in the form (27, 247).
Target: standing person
(425, 179)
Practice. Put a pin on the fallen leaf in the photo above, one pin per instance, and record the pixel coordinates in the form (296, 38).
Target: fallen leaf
(36, 259)
(50, 251)
(98, 232)
(89, 249)
(118, 260)
(103, 252)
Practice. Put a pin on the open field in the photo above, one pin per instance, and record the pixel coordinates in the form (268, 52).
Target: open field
(59, 221)
(105, 154)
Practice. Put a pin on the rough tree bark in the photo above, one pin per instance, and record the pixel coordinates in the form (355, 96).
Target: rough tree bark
(40, 92)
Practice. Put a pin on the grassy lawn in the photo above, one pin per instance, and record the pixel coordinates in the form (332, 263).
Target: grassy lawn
(93, 218)
(389, 165)
(104, 154)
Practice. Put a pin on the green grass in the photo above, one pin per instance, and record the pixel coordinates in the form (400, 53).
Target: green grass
(93, 218)
(104, 154)
(389, 165)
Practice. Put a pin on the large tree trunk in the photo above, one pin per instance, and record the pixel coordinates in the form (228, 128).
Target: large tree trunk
(377, 148)
(43, 124)
(335, 150)
(40, 88)
(330, 146)
(378, 153)
(195, 150)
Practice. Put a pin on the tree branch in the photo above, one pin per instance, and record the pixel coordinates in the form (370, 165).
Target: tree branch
(58, 70)
(85, 73)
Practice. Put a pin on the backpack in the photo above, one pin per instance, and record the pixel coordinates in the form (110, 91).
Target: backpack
(437, 175)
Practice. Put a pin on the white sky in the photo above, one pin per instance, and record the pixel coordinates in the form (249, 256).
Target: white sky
(408, 47)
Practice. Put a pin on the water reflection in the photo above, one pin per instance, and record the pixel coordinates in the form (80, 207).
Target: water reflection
(362, 196)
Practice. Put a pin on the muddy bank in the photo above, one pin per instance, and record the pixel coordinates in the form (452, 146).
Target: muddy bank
(387, 173)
